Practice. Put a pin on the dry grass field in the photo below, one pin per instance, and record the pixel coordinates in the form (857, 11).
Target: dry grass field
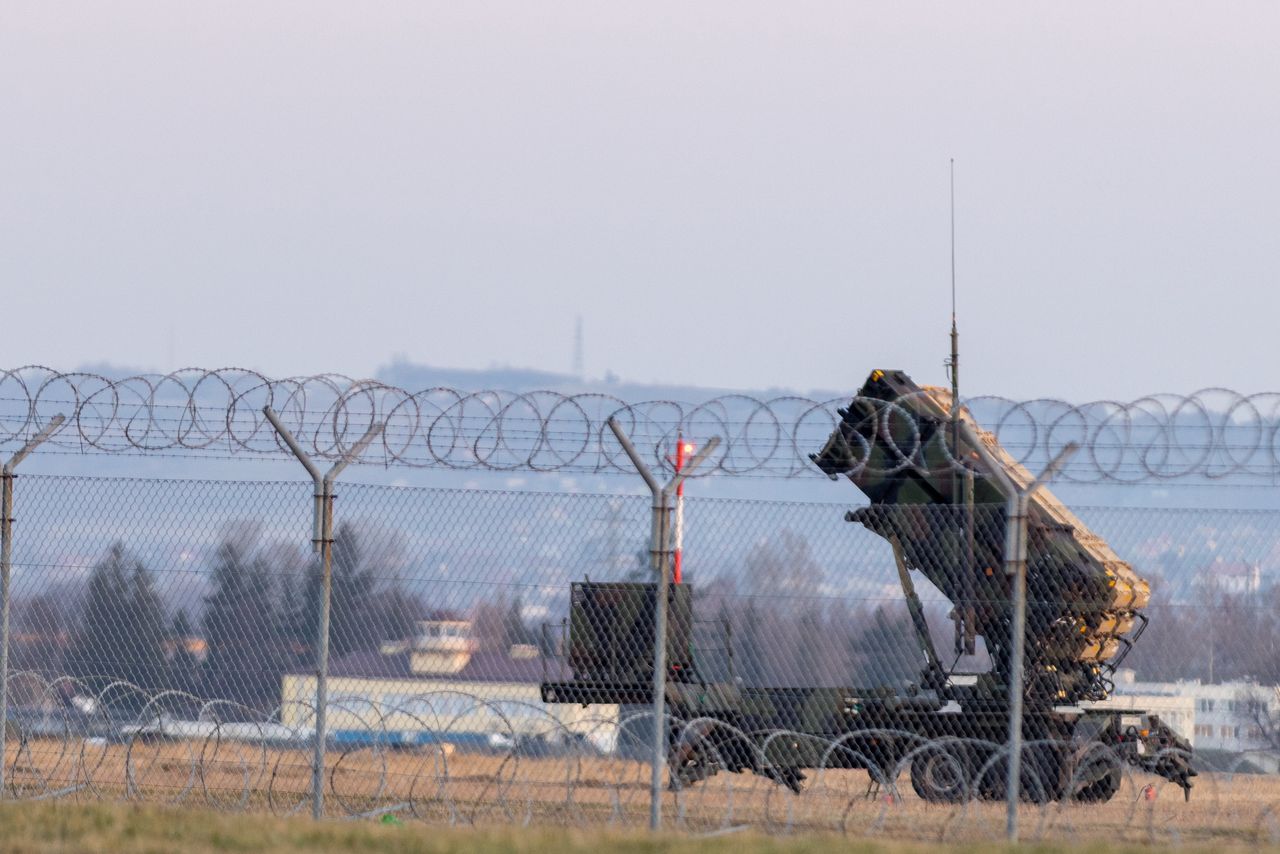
(65, 828)
(441, 787)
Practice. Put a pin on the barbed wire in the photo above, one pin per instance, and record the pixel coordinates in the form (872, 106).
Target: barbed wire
(453, 757)
(1211, 435)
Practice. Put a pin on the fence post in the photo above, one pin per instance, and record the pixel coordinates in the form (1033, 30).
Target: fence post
(322, 542)
(659, 553)
(6, 570)
(1015, 566)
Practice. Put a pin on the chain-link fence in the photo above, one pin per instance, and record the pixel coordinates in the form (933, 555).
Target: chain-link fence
(491, 660)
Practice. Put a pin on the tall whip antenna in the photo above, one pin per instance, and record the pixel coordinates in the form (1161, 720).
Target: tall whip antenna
(954, 363)
(953, 262)
(961, 486)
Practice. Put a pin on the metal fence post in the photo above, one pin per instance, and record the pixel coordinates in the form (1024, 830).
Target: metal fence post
(322, 542)
(6, 571)
(1015, 566)
(660, 555)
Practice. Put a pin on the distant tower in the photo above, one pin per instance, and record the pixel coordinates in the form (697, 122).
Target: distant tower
(578, 370)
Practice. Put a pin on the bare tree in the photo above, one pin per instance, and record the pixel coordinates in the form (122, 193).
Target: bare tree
(1259, 708)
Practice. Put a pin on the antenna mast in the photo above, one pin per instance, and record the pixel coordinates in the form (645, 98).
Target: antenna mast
(954, 363)
(961, 486)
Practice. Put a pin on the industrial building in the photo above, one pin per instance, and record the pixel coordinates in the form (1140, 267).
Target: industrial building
(437, 687)
(1225, 717)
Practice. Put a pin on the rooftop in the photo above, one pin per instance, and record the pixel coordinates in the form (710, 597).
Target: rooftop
(488, 666)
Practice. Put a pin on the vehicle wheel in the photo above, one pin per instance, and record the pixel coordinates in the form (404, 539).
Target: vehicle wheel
(939, 775)
(688, 764)
(1043, 776)
(1103, 781)
(1040, 778)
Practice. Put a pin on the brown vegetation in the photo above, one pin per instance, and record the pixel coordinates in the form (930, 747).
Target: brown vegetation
(459, 788)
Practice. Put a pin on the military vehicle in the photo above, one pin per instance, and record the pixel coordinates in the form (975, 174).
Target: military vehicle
(937, 487)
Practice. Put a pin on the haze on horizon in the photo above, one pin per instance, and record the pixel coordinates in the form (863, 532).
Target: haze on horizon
(728, 194)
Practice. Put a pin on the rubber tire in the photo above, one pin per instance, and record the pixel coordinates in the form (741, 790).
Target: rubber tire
(1101, 791)
(940, 776)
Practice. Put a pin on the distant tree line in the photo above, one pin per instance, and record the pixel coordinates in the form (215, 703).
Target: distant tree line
(1216, 636)
(789, 630)
(259, 620)
(786, 628)
(774, 623)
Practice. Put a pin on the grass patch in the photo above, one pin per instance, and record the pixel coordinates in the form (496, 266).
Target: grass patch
(68, 828)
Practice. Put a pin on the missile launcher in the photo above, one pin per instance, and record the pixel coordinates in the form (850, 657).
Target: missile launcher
(938, 487)
(897, 442)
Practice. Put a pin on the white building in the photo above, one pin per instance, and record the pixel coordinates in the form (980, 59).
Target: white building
(438, 688)
(1222, 717)
(1232, 577)
(1177, 711)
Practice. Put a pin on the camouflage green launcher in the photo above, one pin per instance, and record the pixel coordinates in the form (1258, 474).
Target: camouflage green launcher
(897, 442)
(937, 488)
(611, 631)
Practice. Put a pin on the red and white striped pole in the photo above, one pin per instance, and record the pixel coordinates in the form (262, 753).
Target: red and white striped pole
(677, 572)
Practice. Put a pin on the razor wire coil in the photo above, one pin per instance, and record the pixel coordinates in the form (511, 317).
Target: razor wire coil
(129, 745)
(1210, 436)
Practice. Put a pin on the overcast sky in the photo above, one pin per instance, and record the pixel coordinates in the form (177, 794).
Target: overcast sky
(728, 193)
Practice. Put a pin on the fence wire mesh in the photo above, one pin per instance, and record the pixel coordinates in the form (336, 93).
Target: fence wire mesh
(163, 643)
